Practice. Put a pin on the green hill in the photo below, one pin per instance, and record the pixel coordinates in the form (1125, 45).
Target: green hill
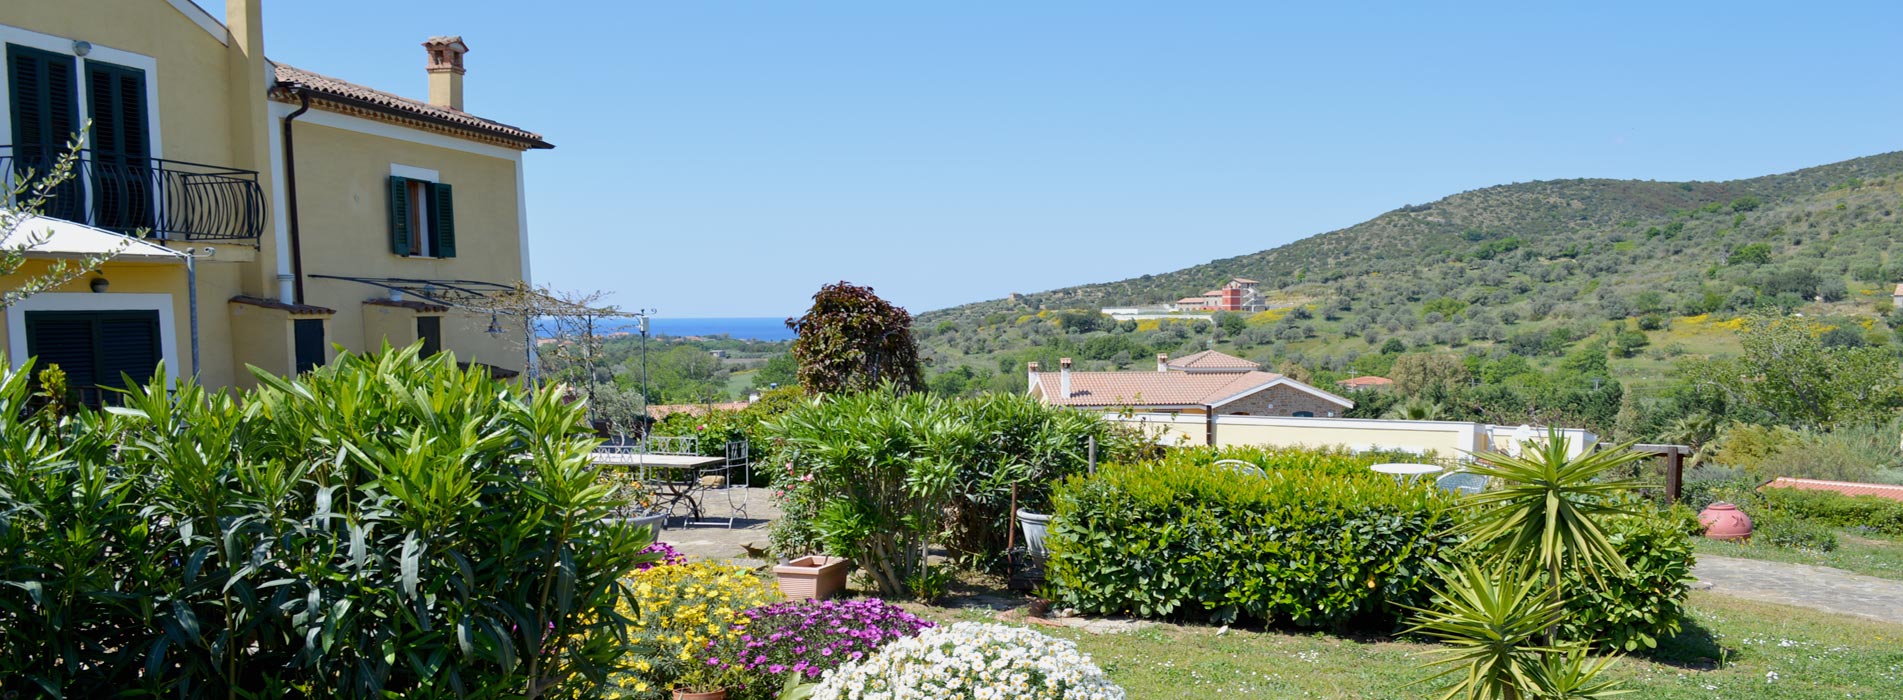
(1525, 269)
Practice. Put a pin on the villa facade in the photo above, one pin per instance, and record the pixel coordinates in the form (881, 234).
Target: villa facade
(1205, 383)
(316, 212)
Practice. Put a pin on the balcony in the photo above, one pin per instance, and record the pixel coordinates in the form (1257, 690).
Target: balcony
(153, 197)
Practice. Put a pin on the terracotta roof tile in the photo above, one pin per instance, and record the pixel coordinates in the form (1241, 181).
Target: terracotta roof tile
(1148, 388)
(1899, 290)
(1209, 360)
(659, 411)
(326, 87)
(1848, 488)
(293, 309)
(1366, 381)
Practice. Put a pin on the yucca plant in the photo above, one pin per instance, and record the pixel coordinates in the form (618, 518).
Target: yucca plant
(1491, 620)
(1547, 506)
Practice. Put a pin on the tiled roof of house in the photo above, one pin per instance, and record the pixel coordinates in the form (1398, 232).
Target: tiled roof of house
(1190, 300)
(1848, 488)
(293, 309)
(1212, 360)
(1365, 381)
(1245, 281)
(1899, 290)
(1148, 388)
(327, 88)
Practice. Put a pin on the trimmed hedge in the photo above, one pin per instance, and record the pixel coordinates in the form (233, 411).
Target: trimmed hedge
(1832, 508)
(1319, 541)
(1639, 608)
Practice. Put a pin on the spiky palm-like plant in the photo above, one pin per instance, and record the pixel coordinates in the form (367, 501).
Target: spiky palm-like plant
(1547, 506)
(1491, 620)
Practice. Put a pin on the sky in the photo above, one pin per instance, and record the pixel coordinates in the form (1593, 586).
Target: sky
(719, 158)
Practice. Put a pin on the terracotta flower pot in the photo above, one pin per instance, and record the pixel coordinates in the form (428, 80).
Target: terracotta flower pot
(814, 577)
(1724, 521)
(709, 695)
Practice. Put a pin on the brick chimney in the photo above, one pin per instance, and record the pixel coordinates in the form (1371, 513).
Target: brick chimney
(1063, 377)
(446, 70)
(1032, 371)
(1162, 362)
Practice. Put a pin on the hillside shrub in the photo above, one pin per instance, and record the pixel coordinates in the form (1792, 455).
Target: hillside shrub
(1317, 541)
(1838, 510)
(1780, 529)
(1634, 610)
(385, 526)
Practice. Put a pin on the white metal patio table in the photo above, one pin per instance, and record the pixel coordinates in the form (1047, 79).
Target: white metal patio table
(675, 476)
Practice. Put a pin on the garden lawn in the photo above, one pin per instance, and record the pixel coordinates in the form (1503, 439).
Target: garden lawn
(1731, 649)
(1862, 554)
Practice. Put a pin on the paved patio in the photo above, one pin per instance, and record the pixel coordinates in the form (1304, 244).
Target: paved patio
(717, 541)
(1803, 585)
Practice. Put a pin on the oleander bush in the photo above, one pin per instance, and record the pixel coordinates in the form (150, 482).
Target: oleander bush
(1836, 509)
(1633, 610)
(679, 613)
(386, 526)
(1317, 541)
(972, 661)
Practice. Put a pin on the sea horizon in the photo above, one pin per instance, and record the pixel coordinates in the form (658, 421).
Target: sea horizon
(768, 328)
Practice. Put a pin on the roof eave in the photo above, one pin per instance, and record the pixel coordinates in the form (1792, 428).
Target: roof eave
(536, 143)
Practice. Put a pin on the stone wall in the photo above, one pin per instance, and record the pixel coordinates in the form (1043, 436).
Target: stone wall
(1281, 401)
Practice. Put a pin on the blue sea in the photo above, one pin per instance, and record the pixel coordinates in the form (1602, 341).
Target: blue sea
(762, 328)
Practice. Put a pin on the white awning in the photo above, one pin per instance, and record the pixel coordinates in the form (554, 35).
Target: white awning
(59, 238)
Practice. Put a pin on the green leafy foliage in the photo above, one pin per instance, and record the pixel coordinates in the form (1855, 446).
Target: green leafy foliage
(1839, 510)
(1780, 529)
(886, 464)
(852, 340)
(1318, 541)
(384, 526)
(1490, 620)
(1634, 609)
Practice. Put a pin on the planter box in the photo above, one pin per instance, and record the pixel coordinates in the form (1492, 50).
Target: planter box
(711, 695)
(815, 577)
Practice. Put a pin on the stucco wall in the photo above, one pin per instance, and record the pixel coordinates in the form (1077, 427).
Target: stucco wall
(194, 105)
(344, 219)
(124, 278)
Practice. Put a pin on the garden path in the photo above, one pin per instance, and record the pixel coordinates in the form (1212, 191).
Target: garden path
(1803, 585)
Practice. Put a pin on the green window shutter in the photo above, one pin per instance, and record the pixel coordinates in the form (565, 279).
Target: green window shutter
(399, 215)
(45, 101)
(445, 222)
(121, 175)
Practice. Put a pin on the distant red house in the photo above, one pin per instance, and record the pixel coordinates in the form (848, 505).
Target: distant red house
(1848, 488)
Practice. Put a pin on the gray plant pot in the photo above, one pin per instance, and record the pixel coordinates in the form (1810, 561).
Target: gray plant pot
(1035, 525)
(657, 521)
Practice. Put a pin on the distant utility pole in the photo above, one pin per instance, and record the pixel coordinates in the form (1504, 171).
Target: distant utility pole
(643, 315)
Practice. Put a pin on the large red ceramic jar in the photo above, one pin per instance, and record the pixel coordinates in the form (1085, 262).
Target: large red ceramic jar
(1724, 521)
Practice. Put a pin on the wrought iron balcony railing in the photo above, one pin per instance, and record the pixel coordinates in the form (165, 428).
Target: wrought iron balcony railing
(154, 197)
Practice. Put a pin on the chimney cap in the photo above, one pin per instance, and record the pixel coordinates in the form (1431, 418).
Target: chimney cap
(1064, 362)
(1033, 366)
(446, 53)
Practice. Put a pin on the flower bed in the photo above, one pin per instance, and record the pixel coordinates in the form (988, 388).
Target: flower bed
(679, 613)
(969, 660)
(669, 556)
(810, 638)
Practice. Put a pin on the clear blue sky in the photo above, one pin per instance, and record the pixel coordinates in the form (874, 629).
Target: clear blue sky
(727, 158)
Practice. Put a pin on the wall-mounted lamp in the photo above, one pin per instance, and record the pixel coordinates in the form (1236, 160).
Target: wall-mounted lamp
(81, 47)
(495, 325)
(99, 285)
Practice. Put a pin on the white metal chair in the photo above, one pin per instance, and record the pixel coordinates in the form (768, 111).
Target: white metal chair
(1461, 482)
(730, 477)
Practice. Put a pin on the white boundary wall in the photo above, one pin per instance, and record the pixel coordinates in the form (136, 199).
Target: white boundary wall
(1446, 439)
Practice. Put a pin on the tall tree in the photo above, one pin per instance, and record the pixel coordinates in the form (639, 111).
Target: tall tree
(851, 341)
(1788, 374)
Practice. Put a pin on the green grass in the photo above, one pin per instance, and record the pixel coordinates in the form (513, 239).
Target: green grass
(1729, 650)
(1855, 553)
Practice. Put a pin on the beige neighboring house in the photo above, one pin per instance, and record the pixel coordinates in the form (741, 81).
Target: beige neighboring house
(1205, 383)
(1896, 297)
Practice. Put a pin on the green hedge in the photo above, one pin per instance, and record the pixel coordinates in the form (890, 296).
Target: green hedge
(1635, 610)
(1319, 541)
(1832, 508)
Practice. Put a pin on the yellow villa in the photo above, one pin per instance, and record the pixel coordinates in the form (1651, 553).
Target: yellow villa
(281, 212)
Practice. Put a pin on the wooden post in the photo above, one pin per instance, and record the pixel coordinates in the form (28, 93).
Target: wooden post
(1090, 467)
(1674, 474)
